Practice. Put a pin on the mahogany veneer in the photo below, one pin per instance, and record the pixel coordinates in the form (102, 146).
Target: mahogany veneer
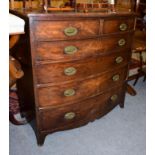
(79, 67)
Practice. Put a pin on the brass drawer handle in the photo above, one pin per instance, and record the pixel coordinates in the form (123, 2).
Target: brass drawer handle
(69, 92)
(121, 42)
(69, 115)
(70, 71)
(116, 77)
(114, 98)
(123, 27)
(119, 59)
(70, 31)
(70, 50)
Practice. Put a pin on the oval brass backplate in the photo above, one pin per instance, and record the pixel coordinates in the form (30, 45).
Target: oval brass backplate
(123, 27)
(114, 98)
(70, 31)
(69, 92)
(70, 71)
(69, 115)
(116, 77)
(121, 42)
(119, 60)
(70, 50)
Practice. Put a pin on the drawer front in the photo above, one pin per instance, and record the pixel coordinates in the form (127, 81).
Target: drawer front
(72, 91)
(64, 30)
(78, 114)
(118, 25)
(62, 72)
(73, 50)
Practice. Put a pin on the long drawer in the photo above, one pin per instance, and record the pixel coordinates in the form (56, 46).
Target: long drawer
(62, 72)
(77, 114)
(79, 90)
(73, 50)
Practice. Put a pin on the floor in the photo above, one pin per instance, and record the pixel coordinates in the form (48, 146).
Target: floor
(121, 132)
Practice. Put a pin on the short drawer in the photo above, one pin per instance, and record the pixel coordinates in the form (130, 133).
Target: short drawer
(79, 90)
(62, 72)
(64, 30)
(118, 25)
(73, 50)
(78, 114)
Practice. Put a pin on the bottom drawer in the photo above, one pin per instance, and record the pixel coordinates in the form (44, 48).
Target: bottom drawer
(78, 114)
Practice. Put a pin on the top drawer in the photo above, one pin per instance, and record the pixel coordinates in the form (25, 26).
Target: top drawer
(65, 30)
(117, 25)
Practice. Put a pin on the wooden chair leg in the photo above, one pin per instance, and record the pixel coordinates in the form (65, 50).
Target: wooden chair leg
(137, 78)
(13, 40)
(130, 90)
(144, 78)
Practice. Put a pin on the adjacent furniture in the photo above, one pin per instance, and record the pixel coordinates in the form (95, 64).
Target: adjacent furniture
(138, 60)
(24, 4)
(77, 68)
(16, 28)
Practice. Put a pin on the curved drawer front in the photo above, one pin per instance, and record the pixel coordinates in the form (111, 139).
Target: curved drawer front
(118, 25)
(61, 72)
(70, 92)
(77, 114)
(72, 50)
(65, 30)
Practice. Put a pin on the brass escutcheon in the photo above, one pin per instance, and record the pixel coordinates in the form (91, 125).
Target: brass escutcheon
(123, 27)
(70, 50)
(69, 115)
(121, 42)
(116, 77)
(70, 71)
(119, 59)
(70, 31)
(114, 98)
(69, 92)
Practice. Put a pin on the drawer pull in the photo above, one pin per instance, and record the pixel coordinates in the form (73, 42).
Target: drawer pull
(70, 71)
(114, 98)
(70, 31)
(116, 77)
(119, 60)
(70, 50)
(121, 42)
(69, 116)
(123, 27)
(69, 92)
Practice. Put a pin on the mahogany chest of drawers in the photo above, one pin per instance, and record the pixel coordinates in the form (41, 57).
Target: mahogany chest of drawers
(79, 67)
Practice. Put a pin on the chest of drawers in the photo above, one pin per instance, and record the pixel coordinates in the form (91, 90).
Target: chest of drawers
(79, 67)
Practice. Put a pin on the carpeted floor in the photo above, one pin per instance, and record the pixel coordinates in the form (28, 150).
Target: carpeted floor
(121, 132)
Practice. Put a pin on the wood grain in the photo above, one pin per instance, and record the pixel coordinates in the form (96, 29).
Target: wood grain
(97, 77)
(54, 72)
(99, 46)
(54, 95)
(95, 107)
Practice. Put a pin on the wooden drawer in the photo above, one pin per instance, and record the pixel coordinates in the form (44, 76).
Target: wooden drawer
(62, 72)
(79, 90)
(80, 113)
(118, 25)
(73, 50)
(64, 30)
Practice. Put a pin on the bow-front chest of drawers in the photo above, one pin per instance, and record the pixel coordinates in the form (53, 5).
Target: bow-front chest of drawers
(79, 67)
